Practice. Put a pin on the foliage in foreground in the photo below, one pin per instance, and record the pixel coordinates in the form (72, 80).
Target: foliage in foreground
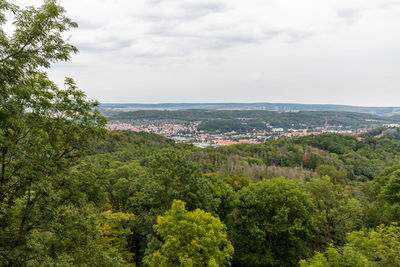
(46, 214)
(380, 247)
(190, 239)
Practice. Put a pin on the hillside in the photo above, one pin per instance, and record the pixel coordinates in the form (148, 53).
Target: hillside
(258, 119)
(280, 107)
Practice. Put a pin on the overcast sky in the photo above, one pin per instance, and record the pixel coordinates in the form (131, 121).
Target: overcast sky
(309, 51)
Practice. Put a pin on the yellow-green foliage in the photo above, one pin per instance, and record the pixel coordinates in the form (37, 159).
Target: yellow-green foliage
(115, 229)
(237, 182)
(380, 247)
(191, 239)
(81, 237)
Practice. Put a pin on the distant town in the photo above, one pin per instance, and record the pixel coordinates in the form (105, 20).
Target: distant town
(188, 133)
(205, 128)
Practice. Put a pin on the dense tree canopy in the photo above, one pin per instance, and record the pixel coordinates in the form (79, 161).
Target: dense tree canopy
(75, 194)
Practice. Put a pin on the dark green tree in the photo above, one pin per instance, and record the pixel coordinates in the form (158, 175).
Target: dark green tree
(273, 224)
(337, 176)
(339, 212)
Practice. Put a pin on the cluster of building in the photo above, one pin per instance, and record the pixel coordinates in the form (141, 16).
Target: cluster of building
(167, 130)
(122, 127)
(188, 133)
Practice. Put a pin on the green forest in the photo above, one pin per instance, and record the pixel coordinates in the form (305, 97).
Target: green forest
(75, 194)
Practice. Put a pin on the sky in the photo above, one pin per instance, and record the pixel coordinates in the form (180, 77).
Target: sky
(309, 51)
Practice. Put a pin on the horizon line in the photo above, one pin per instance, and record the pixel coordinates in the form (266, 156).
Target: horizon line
(244, 103)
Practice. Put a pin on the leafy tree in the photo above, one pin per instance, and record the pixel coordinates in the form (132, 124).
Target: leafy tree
(391, 191)
(169, 176)
(237, 182)
(80, 237)
(173, 176)
(334, 258)
(337, 176)
(380, 247)
(273, 224)
(312, 160)
(123, 183)
(339, 212)
(383, 178)
(44, 130)
(383, 204)
(191, 239)
(223, 194)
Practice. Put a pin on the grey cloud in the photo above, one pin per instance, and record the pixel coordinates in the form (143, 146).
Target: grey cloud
(229, 35)
(155, 1)
(348, 13)
(211, 5)
(87, 25)
(68, 65)
(169, 31)
(185, 11)
(172, 28)
(158, 16)
(220, 38)
(104, 45)
(203, 8)
(390, 4)
(297, 36)
(291, 35)
(158, 54)
(175, 28)
(166, 42)
(240, 38)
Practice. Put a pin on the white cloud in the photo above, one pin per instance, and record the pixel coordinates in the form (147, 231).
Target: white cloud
(188, 50)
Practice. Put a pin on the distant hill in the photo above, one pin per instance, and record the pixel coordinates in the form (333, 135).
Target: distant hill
(244, 120)
(112, 108)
